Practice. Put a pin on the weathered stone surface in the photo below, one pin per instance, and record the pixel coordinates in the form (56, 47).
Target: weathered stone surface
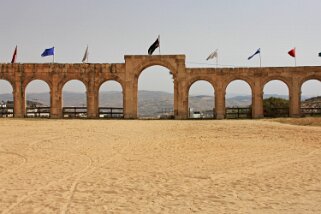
(127, 74)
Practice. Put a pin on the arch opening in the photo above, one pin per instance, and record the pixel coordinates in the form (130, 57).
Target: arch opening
(311, 98)
(74, 99)
(156, 93)
(6, 99)
(201, 100)
(238, 100)
(37, 99)
(276, 99)
(111, 100)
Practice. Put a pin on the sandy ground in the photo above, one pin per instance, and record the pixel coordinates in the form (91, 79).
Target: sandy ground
(91, 166)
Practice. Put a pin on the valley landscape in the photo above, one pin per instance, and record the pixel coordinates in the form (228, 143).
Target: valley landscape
(154, 103)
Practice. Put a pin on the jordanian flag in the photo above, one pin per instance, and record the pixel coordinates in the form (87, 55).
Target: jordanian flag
(155, 45)
(257, 52)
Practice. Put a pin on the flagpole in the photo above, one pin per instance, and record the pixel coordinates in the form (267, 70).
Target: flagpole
(216, 61)
(159, 45)
(260, 60)
(87, 54)
(294, 57)
(53, 56)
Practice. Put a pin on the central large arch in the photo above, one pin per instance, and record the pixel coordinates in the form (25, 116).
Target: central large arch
(156, 93)
(135, 66)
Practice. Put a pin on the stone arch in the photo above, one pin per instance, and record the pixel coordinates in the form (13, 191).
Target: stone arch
(306, 81)
(29, 80)
(35, 107)
(149, 63)
(310, 77)
(200, 78)
(75, 110)
(146, 107)
(63, 82)
(248, 81)
(276, 107)
(206, 110)
(108, 80)
(8, 84)
(118, 80)
(284, 80)
(10, 81)
(86, 90)
(6, 104)
(243, 109)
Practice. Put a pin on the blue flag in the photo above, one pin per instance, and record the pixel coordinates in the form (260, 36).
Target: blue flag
(257, 52)
(48, 52)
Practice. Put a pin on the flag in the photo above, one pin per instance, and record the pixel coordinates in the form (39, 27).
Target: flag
(257, 52)
(212, 55)
(320, 54)
(155, 45)
(14, 56)
(292, 52)
(48, 52)
(85, 58)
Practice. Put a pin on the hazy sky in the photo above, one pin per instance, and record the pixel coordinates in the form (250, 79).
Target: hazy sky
(115, 28)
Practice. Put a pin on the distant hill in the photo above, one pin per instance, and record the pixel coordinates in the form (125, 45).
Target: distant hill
(314, 102)
(152, 103)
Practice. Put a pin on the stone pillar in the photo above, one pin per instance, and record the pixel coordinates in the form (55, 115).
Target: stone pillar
(55, 103)
(180, 90)
(295, 100)
(220, 103)
(92, 99)
(257, 100)
(175, 99)
(92, 103)
(19, 101)
(56, 98)
(180, 100)
(18, 96)
(130, 98)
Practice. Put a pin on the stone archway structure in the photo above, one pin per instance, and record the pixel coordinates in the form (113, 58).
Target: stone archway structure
(127, 74)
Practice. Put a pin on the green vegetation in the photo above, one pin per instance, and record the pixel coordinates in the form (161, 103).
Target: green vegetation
(275, 107)
(274, 102)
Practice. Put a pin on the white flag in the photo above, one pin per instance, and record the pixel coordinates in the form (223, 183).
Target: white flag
(213, 55)
(85, 58)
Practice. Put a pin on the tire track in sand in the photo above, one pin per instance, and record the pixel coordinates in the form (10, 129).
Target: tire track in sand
(75, 183)
(25, 159)
(30, 193)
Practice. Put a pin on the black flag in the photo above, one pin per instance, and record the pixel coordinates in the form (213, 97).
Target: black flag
(152, 48)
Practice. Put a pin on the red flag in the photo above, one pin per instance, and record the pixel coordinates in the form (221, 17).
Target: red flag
(292, 52)
(14, 57)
